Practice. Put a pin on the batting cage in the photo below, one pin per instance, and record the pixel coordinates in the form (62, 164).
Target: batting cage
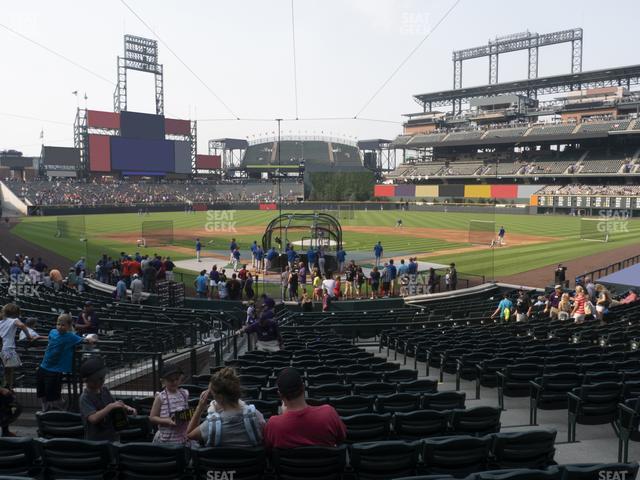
(482, 232)
(303, 231)
(594, 229)
(156, 233)
(73, 227)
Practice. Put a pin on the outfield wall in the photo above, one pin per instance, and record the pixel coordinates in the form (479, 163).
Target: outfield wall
(330, 206)
(409, 191)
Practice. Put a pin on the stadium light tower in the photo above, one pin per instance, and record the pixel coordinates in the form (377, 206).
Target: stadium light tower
(279, 120)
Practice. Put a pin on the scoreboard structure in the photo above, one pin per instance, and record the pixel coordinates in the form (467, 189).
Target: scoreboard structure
(133, 143)
(123, 142)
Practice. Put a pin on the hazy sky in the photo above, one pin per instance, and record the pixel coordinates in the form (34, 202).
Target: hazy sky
(243, 49)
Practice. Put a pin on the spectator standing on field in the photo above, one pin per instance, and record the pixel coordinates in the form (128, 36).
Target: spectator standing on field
(341, 256)
(321, 261)
(378, 251)
(233, 246)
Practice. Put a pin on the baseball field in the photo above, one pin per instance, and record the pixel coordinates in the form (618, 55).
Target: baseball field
(531, 241)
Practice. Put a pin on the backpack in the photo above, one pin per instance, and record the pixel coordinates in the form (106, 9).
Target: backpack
(248, 415)
(507, 313)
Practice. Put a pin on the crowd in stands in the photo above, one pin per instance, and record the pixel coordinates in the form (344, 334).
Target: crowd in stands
(583, 189)
(586, 300)
(80, 192)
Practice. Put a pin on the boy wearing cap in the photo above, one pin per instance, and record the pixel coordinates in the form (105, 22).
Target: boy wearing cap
(301, 424)
(97, 406)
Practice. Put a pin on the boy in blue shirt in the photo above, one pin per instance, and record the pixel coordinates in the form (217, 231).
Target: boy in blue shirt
(505, 308)
(57, 361)
(202, 284)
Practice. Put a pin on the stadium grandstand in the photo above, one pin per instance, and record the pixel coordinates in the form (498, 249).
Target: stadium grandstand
(158, 320)
(578, 129)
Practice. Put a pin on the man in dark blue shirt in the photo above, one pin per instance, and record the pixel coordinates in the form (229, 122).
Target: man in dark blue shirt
(393, 274)
(271, 256)
(311, 257)
(378, 250)
(291, 257)
(198, 249)
(341, 256)
(232, 247)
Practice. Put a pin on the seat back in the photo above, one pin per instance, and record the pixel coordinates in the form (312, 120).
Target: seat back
(18, 456)
(312, 463)
(458, 456)
(247, 463)
(444, 401)
(560, 382)
(476, 421)
(597, 400)
(552, 473)
(59, 424)
(378, 460)
(367, 427)
(419, 386)
(329, 390)
(530, 449)
(398, 376)
(363, 377)
(142, 461)
(352, 404)
(324, 378)
(398, 402)
(71, 458)
(420, 424)
(374, 389)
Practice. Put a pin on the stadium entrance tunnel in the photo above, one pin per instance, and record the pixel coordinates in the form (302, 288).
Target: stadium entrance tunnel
(303, 231)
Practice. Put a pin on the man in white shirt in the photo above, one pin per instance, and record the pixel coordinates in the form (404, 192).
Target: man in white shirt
(329, 284)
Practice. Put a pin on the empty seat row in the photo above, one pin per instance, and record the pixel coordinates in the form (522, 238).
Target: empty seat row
(579, 471)
(419, 424)
(455, 455)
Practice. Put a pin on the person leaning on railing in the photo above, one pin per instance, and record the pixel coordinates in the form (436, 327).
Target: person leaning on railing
(56, 362)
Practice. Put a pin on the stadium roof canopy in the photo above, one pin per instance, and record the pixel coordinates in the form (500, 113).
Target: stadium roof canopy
(373, 144)
(609, 77)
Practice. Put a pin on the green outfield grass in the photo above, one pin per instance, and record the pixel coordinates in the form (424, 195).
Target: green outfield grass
(105, 234)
